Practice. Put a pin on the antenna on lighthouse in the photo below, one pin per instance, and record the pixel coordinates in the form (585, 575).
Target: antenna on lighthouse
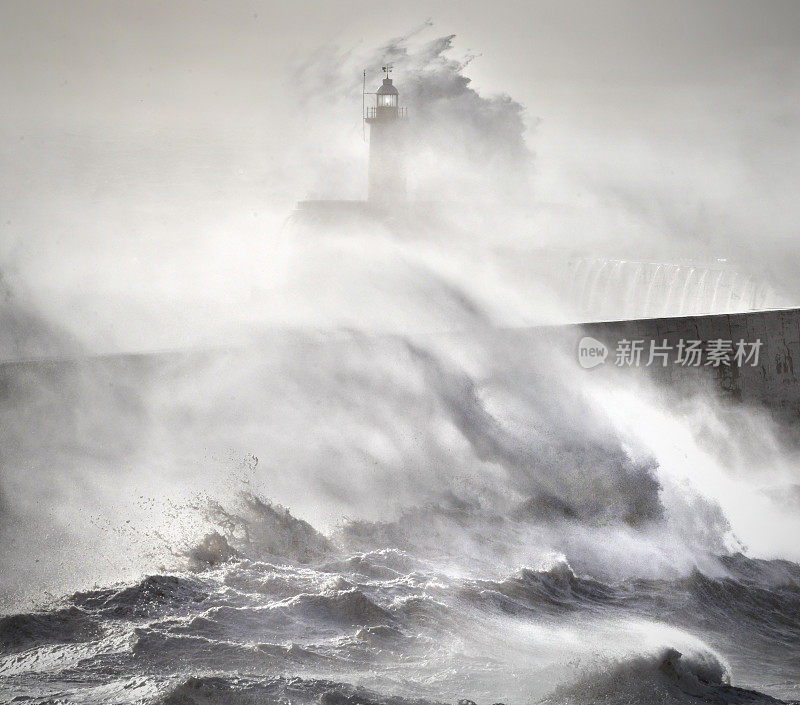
(364, 108)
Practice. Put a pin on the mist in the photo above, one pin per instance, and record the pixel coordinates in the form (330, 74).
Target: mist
(147, 185)
(243, 433)
(200, 255)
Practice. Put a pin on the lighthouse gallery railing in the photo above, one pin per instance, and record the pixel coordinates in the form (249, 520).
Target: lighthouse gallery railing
(374, 112)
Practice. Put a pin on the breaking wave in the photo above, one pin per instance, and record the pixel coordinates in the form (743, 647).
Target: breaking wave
(403, 622)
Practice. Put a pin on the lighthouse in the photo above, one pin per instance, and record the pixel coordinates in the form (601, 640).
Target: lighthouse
(387, 181)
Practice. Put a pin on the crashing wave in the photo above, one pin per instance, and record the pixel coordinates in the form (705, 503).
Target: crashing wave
(665, 677)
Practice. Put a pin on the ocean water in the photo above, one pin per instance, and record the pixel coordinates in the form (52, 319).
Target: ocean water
(376, 519)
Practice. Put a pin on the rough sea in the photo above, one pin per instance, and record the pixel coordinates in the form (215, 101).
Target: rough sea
(372, 519)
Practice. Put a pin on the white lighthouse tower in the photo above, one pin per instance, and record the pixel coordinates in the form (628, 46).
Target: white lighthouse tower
(387, 181)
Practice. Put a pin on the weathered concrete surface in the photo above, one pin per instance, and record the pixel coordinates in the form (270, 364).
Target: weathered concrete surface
(773, 382)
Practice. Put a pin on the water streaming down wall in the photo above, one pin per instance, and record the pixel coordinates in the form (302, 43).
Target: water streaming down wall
(613, 289)
(590, 287)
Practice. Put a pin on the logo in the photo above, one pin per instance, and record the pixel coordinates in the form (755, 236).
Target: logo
(591, 353)
(714, 352)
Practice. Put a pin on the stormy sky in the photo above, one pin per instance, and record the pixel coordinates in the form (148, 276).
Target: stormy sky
(150, 148)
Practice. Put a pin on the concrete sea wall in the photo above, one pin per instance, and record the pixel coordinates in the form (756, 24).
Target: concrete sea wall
(772, 381)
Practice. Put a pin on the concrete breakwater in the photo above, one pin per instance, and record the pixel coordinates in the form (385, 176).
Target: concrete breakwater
(752, 357)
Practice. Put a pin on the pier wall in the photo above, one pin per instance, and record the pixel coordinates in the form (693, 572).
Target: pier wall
(774, 381)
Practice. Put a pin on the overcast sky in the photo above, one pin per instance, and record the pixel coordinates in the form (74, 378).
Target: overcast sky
(136, 136)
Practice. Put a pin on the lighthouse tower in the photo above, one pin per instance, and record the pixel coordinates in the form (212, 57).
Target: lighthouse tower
(387, 180)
